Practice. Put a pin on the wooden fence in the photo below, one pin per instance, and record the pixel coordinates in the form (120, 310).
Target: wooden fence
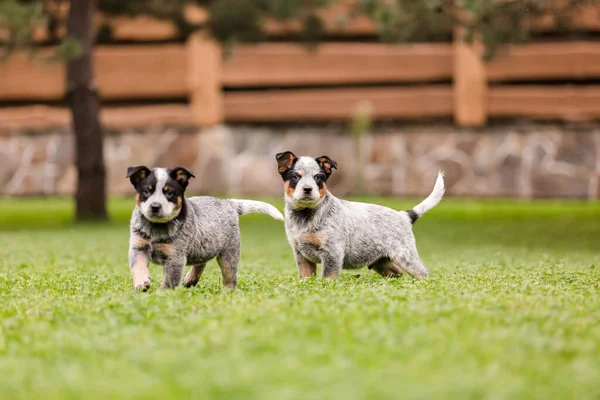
(286, 82)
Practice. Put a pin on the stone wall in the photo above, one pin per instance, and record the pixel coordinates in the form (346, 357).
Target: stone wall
(530, 160)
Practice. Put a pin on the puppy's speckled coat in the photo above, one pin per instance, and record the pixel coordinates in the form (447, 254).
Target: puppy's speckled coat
(342, 234)
(173, 231)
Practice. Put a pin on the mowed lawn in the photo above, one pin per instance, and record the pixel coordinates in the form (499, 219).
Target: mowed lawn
(512, 310)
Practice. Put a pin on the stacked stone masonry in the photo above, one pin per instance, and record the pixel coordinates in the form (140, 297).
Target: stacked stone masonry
(524, 161)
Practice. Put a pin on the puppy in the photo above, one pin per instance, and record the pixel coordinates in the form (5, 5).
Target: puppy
(173, 231)
(341, 234)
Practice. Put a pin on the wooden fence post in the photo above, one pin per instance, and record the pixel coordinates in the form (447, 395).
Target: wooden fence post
(469, 82)
(204, 77)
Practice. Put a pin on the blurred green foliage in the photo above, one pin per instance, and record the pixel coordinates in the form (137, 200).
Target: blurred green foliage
(231, 20)
(497, 22)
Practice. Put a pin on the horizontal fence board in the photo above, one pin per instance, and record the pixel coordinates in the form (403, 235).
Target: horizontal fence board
(123, 72)
(23, 78)
(538, 61)
(573, 103)
(41, 117)
(142, 71)
(338, 104)
(140, 28)
(280, 64)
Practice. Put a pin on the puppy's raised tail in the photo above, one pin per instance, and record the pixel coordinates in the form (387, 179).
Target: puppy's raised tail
(431, 201)
(256, 207)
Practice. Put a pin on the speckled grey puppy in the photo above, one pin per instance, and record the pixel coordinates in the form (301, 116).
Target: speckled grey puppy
(173, 231)
(342, 234)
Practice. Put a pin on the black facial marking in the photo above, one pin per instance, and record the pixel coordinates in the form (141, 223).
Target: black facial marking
(172, 190)
(320, 179)
(146, 187)
(291, 176)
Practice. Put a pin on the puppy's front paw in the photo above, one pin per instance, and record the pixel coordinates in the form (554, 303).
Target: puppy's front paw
(142, 286)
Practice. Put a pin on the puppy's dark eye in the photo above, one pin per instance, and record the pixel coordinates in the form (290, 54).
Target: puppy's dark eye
(169, 195)
(146, 192)
(295, 178)
(320, 178)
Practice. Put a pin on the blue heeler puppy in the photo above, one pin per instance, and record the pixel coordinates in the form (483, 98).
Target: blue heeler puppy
(342, 234)
(174, 231)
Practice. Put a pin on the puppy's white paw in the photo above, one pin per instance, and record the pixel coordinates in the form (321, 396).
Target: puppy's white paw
(142, 286)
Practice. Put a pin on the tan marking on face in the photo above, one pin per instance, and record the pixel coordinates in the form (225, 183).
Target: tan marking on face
(288, 190)
(317, 239)
(165, 248)
(323, 190)
(179, 203)
(165, 188)
(137, 200)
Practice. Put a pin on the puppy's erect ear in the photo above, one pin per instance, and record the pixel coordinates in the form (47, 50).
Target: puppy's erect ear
(136, 174)
(326, 164)
(181, 175)
(285, 161)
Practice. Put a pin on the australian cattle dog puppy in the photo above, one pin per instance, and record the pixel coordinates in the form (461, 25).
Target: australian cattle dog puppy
(342, 234)
(173, 231)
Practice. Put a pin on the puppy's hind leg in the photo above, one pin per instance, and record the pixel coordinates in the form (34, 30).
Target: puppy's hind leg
(229, 266)
(193, 275)
(408, 260)
(386, 268)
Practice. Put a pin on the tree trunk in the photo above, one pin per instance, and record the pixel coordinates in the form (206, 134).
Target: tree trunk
(84, 103)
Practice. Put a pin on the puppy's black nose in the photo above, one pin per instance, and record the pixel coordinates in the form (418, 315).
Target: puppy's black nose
(307, 190)
(155, 207)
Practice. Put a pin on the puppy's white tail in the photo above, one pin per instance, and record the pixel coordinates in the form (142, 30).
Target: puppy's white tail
(431, 201)
(256, 207)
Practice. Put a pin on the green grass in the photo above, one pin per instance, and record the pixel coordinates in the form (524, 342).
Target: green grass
(512, 310)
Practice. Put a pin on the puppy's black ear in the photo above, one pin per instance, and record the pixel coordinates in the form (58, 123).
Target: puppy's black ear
(181, 175)
(285, 161)
(326, 164)
(136, 174)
